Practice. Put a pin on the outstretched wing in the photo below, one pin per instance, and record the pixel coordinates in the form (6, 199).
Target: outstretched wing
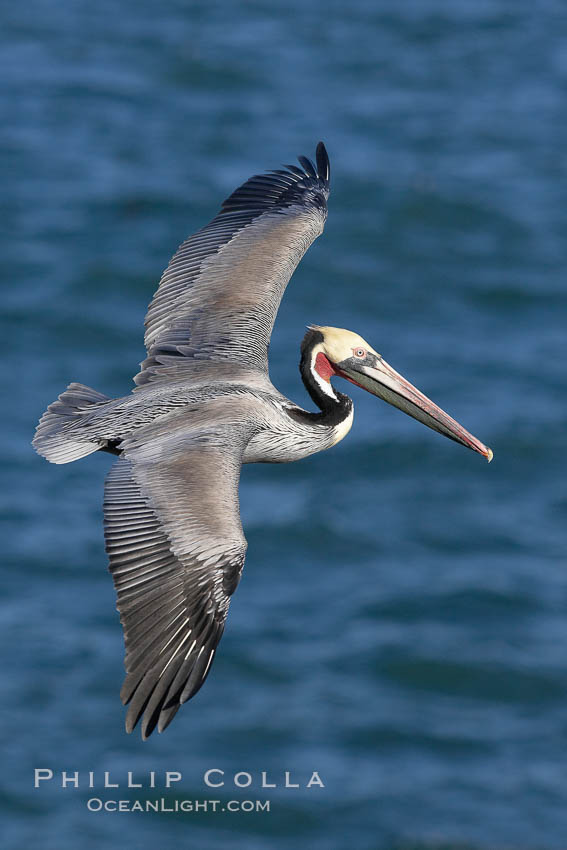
(176, 549)
(219, 296)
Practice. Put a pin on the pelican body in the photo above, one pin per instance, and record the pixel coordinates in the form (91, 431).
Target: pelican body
(203, 404)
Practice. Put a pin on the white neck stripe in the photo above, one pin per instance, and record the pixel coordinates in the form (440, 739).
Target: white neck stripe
(321, 382)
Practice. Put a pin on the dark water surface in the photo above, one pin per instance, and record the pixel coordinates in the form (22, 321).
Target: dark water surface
(401, 625)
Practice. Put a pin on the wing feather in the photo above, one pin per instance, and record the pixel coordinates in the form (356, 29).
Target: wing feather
(219, 296)
(176, 552)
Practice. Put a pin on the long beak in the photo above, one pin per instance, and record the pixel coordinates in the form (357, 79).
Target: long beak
(386, 383)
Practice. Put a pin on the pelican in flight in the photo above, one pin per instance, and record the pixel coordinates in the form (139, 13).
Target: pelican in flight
(203, 404)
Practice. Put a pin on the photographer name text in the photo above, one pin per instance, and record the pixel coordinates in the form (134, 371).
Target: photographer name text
(212, 778)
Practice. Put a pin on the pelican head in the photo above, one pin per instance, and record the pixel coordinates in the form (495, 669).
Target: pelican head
(335, 351)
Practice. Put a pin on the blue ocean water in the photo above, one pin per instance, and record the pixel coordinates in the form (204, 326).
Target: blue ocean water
(401, 625)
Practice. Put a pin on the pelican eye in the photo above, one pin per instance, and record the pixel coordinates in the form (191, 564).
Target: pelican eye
(359, 352)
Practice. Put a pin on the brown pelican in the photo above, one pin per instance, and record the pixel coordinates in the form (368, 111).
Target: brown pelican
(202, 406)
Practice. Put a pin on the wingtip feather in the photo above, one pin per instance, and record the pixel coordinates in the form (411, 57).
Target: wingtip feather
(308, 166)
(323, 164)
